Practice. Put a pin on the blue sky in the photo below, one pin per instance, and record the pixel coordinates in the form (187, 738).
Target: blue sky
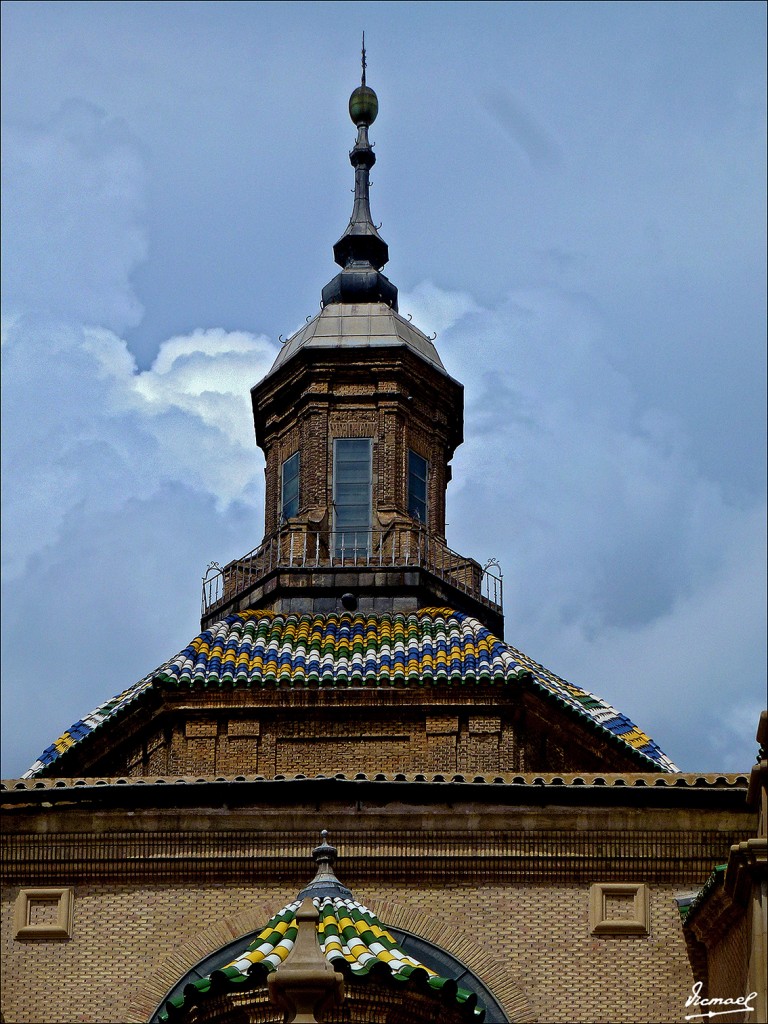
(573, 196)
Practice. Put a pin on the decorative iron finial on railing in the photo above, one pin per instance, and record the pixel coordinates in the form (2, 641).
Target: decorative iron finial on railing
(495, 562)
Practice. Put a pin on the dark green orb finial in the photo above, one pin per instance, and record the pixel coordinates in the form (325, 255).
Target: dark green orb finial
(363, 106)
(363, 103)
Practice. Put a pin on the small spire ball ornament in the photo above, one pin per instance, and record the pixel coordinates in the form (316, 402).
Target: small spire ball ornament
(363, 106)
(363, 103)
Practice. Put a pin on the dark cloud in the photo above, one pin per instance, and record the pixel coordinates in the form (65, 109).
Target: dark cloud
(619, 556)
(116, 595)
(601, 296)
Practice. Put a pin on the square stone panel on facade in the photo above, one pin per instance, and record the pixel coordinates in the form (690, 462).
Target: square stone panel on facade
(617, 908)
(43, 914)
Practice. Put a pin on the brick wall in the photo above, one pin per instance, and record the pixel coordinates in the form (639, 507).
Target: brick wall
(128, 943)
(269, 732)
(727, 964)
(395, 399)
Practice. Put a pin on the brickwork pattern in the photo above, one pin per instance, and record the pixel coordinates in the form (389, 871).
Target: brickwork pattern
(727, 964)
(334, 753)
(405, 738)
(122, 938)
(437, 851)
(399, 402)
(567, 974)
(156, 757)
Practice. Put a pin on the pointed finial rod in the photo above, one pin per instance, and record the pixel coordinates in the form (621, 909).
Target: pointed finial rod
(361, 252)
(325, 853)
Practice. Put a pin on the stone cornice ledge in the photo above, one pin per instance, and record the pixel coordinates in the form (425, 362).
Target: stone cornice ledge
(567, 791)
(747, 863)
(721, 905)
(678, 780)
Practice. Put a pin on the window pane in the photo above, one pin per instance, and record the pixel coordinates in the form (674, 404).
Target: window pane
(418, 489)
(351, 471)
(352, 496)
(353, 449)
(417, 486)
(353, 515)
(289, 504)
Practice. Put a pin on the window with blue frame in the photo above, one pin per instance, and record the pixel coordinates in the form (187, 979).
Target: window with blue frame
(417, 486)
(289, 498)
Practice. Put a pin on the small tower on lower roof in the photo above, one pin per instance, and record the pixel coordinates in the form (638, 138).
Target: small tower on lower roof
(358, 420)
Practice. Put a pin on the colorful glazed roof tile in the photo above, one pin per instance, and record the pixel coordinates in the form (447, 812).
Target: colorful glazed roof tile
(351, 938)
(430, 647)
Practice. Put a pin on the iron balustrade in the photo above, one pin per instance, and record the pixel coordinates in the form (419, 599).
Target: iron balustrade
(399, 546)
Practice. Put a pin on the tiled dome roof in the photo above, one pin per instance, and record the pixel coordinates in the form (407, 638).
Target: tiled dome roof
(350, 937)
(359, 325)
(353, 941)
(430, 647)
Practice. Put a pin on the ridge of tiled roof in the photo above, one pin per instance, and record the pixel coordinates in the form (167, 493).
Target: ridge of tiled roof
(89, 723)
(432, 646)
(351, 938)
(715, 879)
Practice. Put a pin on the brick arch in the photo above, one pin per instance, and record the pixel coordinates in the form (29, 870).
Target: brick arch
(493, 972)
(153, 989)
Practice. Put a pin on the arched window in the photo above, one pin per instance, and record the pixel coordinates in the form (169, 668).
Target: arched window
(368, 1001)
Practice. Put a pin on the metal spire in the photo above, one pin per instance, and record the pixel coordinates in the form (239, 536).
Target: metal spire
(361, 252)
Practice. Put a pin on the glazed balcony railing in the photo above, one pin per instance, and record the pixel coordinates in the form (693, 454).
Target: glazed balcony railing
(398, 546)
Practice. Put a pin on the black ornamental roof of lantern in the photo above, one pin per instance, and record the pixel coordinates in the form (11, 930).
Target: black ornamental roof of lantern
(361, 252)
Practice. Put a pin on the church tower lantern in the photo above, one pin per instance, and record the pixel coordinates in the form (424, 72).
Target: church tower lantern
(353, 638)
(515, 836)
(358, 420)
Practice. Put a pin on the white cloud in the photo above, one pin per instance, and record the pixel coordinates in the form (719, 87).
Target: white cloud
(101, 433)
(89, 432)
(434, 309)
(117, 491)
